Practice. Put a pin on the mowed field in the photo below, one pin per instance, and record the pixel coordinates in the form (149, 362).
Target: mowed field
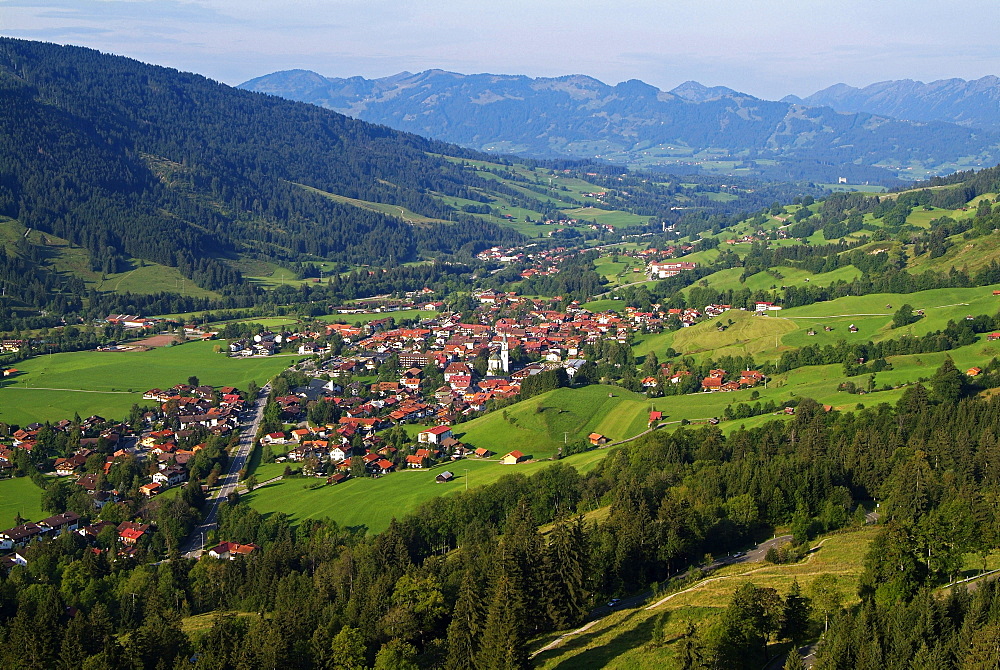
(540, 425)
(19, 496)
(621, 639)
(56, 386)
(373, 503)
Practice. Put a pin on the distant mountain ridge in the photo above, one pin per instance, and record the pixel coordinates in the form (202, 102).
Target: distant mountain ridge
(974, 103)
(636, 123)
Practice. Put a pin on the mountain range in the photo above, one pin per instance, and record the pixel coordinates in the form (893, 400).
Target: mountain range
(975, 103)
(691, 127)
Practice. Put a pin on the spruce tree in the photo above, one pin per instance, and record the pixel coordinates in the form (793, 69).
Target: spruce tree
(563, 575)
(466, 625)
(795, 615)
(503, 640)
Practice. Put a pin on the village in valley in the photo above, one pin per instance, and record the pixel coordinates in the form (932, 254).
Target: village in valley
(425, 379)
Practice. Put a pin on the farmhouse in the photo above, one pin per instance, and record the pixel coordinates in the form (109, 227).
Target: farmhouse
(512, 458)
(231, 550)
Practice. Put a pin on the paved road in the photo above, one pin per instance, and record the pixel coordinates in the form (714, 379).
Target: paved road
(192, 547)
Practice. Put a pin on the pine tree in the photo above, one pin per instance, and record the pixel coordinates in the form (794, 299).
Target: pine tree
(466, 625)
(794, 661)
(795, 615)
(503, 640)
(563, 575)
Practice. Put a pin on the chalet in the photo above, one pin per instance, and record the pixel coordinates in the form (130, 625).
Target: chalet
(273, 438)
(597, 439)
(444, 477)
(414, 462)
(151, 489)
(765, 307)
(91, 532)
(60, 522)
(434, 435)
(130, 533)
(19, 536)
(482, 453)
(336, 478)
(171, 476)
(382, 467)
(712, 383)
(655, 417)
(993, 337)
(231, 550)
(974, 372)
(512, 458)
(88, 482)
(300, 434)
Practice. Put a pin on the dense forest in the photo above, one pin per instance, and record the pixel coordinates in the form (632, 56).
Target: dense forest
(466, 580)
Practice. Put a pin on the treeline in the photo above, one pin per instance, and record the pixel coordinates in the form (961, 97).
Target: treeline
(853, 354)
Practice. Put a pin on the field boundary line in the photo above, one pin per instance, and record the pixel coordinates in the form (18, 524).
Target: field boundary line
(51, 388)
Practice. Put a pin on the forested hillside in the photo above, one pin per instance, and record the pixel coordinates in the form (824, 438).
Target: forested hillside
(132, 160)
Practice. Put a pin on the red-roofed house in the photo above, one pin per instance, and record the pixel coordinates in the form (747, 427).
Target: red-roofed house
(512, 458)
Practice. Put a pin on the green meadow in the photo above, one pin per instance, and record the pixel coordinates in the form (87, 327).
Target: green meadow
(19, 496)
(373, 503)
(56, 386)
(540, 425)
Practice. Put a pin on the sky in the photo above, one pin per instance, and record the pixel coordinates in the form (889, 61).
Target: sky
(768, 48)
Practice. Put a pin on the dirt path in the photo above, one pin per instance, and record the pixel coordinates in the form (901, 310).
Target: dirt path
(759, 551)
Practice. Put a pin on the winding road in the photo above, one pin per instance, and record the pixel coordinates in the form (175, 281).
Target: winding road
(195, 542)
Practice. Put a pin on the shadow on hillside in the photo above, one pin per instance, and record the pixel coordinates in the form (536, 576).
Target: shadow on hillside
(599, 657)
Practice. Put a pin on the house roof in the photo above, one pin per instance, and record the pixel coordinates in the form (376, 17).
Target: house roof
(437, 430)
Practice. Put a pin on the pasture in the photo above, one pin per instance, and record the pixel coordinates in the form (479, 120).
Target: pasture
(540, 425)
(19, 496)
(56, 386)
(373, 503)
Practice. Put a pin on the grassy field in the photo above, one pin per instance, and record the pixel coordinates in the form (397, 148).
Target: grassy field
(365, 318)
(749, 334)
(108, 383)
(19, 496)
(390, 210)
(765, 281)
(608, 217)
(621, 640)
(539, 425)
(351, 503)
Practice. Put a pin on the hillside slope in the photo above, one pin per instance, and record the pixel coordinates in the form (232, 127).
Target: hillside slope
(133, 160)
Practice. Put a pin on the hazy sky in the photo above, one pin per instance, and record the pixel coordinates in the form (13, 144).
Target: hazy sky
(766, 48)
